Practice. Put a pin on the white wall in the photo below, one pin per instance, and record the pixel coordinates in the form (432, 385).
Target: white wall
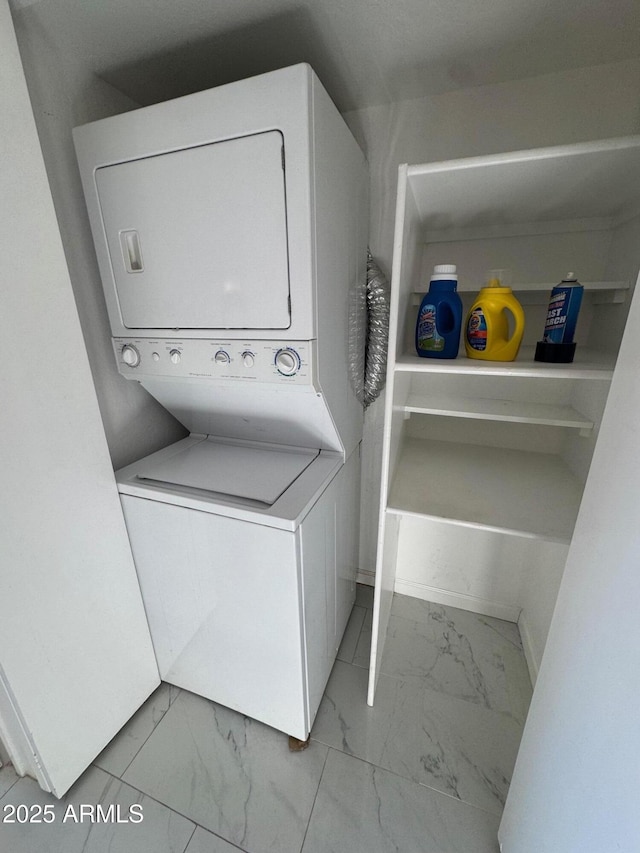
(76, 657)
(576, 780)
(64, 95)
(590, 103)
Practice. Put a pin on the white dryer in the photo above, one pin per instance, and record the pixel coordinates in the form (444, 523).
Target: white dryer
(230, 230)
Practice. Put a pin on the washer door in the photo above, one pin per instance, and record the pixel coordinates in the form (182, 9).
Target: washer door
(198, 237)
(249, 473)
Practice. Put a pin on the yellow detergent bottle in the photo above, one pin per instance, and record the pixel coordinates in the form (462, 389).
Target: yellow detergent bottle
(487, 327)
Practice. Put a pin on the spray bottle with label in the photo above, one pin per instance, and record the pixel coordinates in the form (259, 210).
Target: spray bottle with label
(487, 327)
(440, 316)
(557, 344)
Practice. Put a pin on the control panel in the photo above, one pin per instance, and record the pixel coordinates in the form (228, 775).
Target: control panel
(249, 361)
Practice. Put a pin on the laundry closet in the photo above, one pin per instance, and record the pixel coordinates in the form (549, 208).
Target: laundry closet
(484, 463)
(540, 228)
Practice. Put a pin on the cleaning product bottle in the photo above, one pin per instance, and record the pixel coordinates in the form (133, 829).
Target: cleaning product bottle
(557, 344)
(440, 316)
(487, 326)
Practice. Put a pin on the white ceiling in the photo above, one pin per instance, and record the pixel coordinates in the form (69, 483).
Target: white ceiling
(365, 51)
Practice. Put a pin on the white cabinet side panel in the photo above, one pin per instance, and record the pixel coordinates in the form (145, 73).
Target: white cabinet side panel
(405, 269)
(539, 594)
(76, 650)
(383, 596)
(340, 190)
(581, 741)
(347, 541)
(328, 537)
(318, 566)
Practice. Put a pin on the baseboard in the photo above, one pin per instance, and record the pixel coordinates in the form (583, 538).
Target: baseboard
(366, 577)
(528, 645)
(508, 612)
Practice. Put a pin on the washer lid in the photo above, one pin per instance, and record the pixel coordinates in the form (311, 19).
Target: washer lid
(242, 471)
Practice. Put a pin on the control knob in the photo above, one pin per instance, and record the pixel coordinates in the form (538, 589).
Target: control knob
(221, 357)
(248, 359)
(130, 355)
(175, 355)
(287, 361)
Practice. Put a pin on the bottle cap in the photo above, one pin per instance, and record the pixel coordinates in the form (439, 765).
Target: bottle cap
(444, 271)
(498, 278)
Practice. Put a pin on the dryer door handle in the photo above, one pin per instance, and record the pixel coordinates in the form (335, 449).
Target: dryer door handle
(131, 254)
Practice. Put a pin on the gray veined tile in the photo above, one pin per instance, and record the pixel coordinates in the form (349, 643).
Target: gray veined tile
(440, 656)
(509, 631)
(206, 842)
(8, 777)
(233, 775)
(429, 737)
(351, 634)
(119, 754)
(463, 654)
(364, 809)
(160, 830)
(484, 629)
(453, 746)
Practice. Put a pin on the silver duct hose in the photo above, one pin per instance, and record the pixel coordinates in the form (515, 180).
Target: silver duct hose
(369, 334)
(375, 368)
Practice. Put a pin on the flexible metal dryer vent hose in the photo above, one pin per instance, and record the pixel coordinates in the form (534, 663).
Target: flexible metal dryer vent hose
(375, 366)
(369, 334)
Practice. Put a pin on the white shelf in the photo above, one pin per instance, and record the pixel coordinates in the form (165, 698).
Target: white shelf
(510, 491)
(589, 286)
(602, 291)
(583, 181)
(512, 411)
(588, 364)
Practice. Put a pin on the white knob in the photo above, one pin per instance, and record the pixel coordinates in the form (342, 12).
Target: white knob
(247, 359)
(130, 355)
(222, 357)
(287, 362)
(175, 356)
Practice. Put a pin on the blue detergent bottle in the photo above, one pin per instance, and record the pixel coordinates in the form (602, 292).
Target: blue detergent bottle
(440, 315)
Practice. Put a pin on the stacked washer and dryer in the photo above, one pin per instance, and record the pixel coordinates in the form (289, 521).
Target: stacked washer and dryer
(230, 230)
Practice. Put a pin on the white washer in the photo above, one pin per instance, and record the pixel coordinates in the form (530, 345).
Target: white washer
(247, 594)
(230, 230)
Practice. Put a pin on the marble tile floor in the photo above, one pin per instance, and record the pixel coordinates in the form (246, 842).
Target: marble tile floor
(426, 770)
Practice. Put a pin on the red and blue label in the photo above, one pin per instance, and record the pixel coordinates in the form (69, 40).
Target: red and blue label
(477, 330)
